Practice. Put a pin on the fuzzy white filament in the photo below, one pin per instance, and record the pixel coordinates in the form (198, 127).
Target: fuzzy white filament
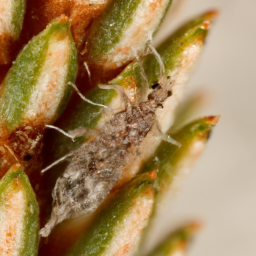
(84, 98)
(56, 162)
(118, 88)
(159, 59)
(61, 131)
(145, 84)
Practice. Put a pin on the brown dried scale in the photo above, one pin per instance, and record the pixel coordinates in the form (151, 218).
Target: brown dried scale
(97, 164)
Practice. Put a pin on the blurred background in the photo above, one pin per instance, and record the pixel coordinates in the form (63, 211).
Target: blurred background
(221, 190)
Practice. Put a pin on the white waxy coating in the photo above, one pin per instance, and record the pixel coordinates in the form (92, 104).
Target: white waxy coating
(50, 87)
(6, 11)
(127, 233)
(139, 32)
(11, 222)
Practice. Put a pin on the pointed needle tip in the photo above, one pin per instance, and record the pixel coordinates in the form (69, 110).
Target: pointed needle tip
(211, 15)
(213, 120)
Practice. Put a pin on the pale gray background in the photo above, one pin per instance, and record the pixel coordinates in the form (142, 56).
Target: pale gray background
(221, 190)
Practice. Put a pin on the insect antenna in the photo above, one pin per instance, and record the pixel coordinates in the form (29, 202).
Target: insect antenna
(159, 59)
(142, 92)
(163, 80)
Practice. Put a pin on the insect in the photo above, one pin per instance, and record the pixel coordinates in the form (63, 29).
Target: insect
(97, 164)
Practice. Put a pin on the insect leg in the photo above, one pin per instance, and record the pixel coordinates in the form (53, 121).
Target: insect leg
(61, 131)
(56, 162)
(84, 98)
(167, 137)
(119, 89)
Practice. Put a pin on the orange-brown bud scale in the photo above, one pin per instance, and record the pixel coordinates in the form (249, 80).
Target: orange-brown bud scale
(41, 12)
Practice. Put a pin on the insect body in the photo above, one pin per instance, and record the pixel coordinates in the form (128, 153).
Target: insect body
(97, 164)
